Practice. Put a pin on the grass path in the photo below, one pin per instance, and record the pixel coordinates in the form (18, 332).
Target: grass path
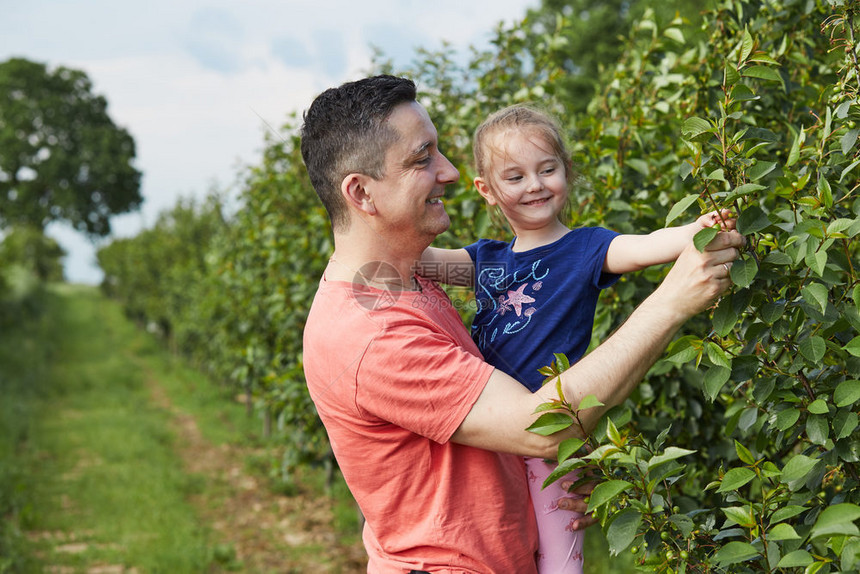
(114, 457)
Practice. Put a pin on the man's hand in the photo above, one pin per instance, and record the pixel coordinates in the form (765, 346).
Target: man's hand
(697, 279)
(576, 503)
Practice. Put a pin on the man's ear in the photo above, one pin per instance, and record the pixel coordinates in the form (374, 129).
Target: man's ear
(484, 190)
(354, 191)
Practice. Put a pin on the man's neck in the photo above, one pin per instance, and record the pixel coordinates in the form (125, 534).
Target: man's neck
(375, 263)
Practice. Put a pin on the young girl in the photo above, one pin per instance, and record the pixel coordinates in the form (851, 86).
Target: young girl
(537, 294)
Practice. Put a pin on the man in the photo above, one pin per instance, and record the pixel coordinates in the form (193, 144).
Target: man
(429, 437)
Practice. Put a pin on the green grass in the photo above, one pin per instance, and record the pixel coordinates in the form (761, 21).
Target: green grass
(91, 474)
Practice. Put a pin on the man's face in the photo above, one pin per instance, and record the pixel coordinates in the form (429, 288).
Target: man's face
(408, 198)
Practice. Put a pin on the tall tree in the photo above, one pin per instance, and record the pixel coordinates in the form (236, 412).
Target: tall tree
(62, 158)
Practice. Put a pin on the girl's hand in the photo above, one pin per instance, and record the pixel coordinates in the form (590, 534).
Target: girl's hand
(722, 218)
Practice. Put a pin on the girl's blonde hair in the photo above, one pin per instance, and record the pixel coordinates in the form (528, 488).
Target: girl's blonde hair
(525, 118)
(521, 117)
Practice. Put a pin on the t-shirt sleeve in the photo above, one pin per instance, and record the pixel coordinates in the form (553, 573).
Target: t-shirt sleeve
(473, 249)
(598, 246)
(419, 378)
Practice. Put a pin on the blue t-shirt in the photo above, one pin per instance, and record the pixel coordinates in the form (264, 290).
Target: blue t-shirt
(538, 302)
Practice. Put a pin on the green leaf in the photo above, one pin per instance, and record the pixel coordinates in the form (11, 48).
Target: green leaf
(732, 76)
(605, 492)
(818, 407)
(760, 169)
(746, 46)
(797, 469)
(772, 311)
(735, 552)
(813, 349)
(794, 153)
(844, 424)
(725, 317)
(743, 271)
(763, 73)
(562, 364)
(704, 237)
(840, 225)
(847, 393)
(563, 469)
(638, 165)
(675, 34)
(816, 295)
(589, 402)
(848, 170)
(743, 190)
(670, 453)
(612, 433)
(680, 207)
(622, 531)
(752, 220)
(736, 478)
(848, 140)
(739, 514)
(717, 355)
(695, 129)
(817, 429)
(825, 194)
(816, 260)
(550, 423)
(786, 418)
(853, 346)
(744, 453)
(796, 559)
(716, 175)
(743, 93)
(715, 378)
(837, 520)
(782, 532)
(568, 447)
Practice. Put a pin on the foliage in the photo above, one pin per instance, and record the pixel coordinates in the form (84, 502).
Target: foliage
(61, 156)
(30, 249)
(754, 462)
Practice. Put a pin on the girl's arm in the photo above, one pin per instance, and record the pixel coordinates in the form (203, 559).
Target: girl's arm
(634, 252)
(449, 266)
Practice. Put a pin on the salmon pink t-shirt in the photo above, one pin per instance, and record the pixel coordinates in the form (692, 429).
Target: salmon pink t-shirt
(393, 375)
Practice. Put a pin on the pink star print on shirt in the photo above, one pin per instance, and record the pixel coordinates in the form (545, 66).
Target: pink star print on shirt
(517, 298)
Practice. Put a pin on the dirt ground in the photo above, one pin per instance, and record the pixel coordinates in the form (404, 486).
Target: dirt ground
(258, 529)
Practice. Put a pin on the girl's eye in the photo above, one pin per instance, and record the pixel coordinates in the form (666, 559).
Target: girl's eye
(514, 178)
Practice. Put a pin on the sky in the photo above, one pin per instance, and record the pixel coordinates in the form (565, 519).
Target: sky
(198, 83)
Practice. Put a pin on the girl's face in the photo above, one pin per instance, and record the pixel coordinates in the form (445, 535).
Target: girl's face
(525, 178)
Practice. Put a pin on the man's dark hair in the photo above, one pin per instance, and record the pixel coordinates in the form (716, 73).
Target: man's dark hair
(346, 131)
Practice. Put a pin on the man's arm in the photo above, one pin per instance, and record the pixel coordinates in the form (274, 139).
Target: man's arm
(449, 266)
(635, 252)
(498, 419)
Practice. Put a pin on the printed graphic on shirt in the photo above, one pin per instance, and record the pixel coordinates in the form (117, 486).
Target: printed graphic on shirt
(506, 301)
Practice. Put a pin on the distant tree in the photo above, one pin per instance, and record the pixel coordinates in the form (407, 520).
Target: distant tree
(61, 156)
(28, 248)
